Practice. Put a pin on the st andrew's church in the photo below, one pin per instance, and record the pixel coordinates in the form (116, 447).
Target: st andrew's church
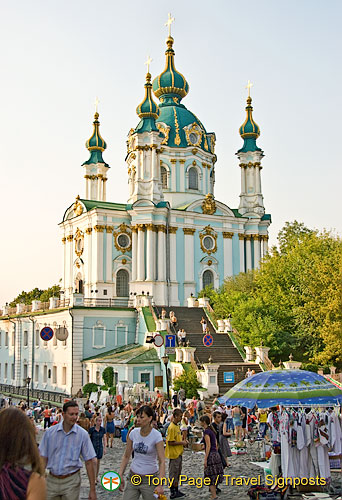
(170, 240)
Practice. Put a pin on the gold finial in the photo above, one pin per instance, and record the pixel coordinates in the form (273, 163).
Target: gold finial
(169, 22)
(96, 105)
(148, 62)
(249, 86)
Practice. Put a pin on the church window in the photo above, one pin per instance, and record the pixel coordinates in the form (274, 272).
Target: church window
(208, 278)
(99, 335)
(208, 242)
(6, 339)
(104, 292)
(25, 370)
(12, 370)
(25, 339)
(54, 374)
(122, 283)
(6, 370)
(193, 178)
(54, 340)
(13, 338)
(64, 375)
(49, 373)
(45, 373)
(36, 373)
(124, 240)
(163, 175)
(37, 338)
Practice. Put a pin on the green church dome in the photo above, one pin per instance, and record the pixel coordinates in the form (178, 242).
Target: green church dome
(147, 110)
(96, 145)
(249, 130)
(170, 81)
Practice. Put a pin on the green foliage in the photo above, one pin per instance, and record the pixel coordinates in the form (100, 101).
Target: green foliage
(89, 388)
(187, 381)
(293, 302)
(36, 294)
(112, 391)
(108, 376)
(104, 387)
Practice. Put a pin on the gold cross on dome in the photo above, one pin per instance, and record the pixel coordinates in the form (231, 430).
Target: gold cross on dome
(249, 86)
(148, 62)
(96, 105)
(169, 22)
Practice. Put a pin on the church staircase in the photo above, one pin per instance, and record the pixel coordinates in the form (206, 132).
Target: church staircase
(222, 350)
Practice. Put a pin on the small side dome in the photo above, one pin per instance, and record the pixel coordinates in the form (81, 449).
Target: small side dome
(170, 81)
(148, 108)
(249, 129)
(96, 143)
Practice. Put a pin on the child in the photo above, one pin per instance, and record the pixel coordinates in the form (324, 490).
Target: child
(174, 451)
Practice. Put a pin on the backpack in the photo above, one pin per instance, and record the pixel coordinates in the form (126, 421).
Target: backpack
(200, 405)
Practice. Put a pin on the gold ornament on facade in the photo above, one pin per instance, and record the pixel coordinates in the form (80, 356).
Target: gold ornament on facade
(227, 234)
(79, 242)
(70, 237)
(177, 138)
(99, 228)
(165, 130)
(205, 143)
(123, 229)
(248, 237)
(109, 229)
(64, 240)
(173, 229)
(210, 262)
(193, 130)
(209, 205)
(124, 261)
(77, 206)
(189, 230)
(89, 230)
(241, 236)
(208, 231)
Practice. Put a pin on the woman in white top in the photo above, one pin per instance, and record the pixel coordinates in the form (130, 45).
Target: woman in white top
(148, 447)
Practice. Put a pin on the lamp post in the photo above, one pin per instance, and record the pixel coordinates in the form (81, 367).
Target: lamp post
(165, 360)
(27, 382)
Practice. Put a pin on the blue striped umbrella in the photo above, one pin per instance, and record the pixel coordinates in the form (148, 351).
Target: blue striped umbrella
(283, 387)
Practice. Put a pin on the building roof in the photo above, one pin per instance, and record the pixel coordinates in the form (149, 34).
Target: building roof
(128, 354)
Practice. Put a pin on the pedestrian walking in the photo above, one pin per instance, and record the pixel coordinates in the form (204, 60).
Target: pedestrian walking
(213, 468)
(174, 452)
(237, 421)
(61, 448)
(47, 417)
(99, 440)
(204, 324)
(110, 427)
(21, 468)
(147, 444)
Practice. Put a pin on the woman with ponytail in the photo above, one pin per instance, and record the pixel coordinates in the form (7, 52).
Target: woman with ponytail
(213, 468)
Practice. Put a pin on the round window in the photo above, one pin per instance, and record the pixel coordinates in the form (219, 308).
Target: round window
(208, 242)
(123, 240)
(193, 138)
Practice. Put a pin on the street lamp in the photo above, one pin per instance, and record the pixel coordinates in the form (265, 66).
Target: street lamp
(27, 382)
(165, 360)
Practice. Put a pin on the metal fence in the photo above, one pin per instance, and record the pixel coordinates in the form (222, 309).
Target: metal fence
(54, 397)
(117, 302)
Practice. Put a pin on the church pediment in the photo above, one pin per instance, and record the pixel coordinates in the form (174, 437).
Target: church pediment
(213, 208)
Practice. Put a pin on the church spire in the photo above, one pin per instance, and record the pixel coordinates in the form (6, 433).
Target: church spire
(249, 130)
(147, 110)
(95, 144)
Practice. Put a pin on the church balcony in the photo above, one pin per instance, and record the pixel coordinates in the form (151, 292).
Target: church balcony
(116, 302)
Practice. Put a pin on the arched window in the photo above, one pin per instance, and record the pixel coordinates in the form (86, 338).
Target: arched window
(122, 287)
(208, 278)
(163, 175)
(193, 178)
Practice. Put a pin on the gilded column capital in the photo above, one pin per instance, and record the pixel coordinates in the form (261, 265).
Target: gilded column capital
(173, 160)
(134, 229)
(70, 237)
(188, 230)
(149, 227)
(141, 227)
(109, 229)
(88, 230)
(99, 228)
(227, 234)
(248, 237)
(173, 229)
(182, 161)
(162, 229)
(64, 240)
(241, 236)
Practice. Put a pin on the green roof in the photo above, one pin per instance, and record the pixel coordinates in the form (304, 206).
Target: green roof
(149, 321)
(90, 204)
(128, 354)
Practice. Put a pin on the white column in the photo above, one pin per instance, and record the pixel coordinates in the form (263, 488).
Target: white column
(97, 254)
(161, 253)
(150, 257)
(154, 164)
(248, 252)
(189, 253)
(141, 253)
(173, 255)
(65, 274)
(257, 251)
(70, 243)
(228, 254)
(264, 245)
(181, 176)
(173, 175)
(134, 252)
(87, 187)
(243, 180)
(109, 260)
(242, 252)
(104, 192)
(258, 180)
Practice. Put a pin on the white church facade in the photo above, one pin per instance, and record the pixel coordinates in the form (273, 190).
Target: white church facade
(170, 240)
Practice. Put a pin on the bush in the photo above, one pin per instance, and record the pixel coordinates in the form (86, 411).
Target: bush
(89, 388)
(104, 387)
(112, 391)
(108, 376)
(187, 381)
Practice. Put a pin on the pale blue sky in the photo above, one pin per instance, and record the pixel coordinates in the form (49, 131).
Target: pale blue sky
(57, 56)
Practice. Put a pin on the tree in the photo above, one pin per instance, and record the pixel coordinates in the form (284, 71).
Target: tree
(108, 376)
(36, 294)
(188, 381)
(89, 388)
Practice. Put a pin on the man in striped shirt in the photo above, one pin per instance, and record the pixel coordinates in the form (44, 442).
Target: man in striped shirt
(61, 448)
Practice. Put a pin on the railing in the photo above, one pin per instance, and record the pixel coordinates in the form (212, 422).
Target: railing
(55, 397)
(117, 302)
(42, 306)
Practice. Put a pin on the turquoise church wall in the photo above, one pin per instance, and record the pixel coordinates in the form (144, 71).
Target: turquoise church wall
(180, 265)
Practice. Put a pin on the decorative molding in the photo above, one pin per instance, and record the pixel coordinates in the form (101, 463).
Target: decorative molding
(241, 236)
(161, 228)
(189, 230)
(209, 205)
(134, 229)
(79, 242)
(250, 164)
(124, 261)
(77, 207)
(109, 229)
(89, 230)
(99, 228)
(208, 231)
(227, 234)
(141, 227)
(123, 229)
(182, 161)
(70, 237)
(173, 229)
(194, 151)
(173, 160)
(248, 237)
(64, 240)
(210, 262)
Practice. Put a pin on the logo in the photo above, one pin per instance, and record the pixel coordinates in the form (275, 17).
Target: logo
(110, 480)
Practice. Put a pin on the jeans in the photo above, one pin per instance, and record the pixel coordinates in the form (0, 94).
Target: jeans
(230, 424)
(262, 429)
